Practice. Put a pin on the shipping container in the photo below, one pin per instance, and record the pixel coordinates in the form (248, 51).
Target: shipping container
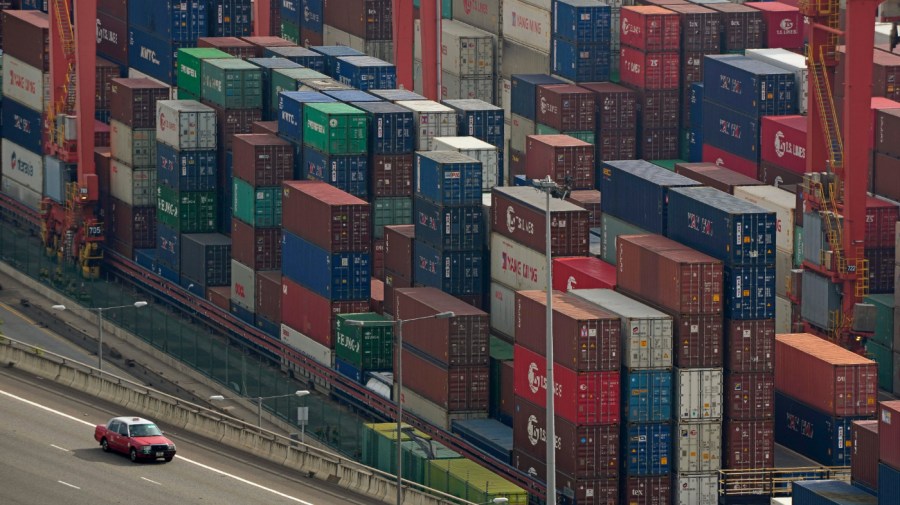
(582, 273)
(750, 345)
(479, 119)
(168, 252)
(448, 177)
(133, 101)
(888, 483)
(487, 154)
(647, 449)
(610, 229)
(153, 56)
(368, 347)
(257, 207)
(730, 130)
(650, 70)
(646, 490)
(25, 84)
(519, 213)
(750, 87)
(830, 492)
(22, 125)
(326, 216)
(230, 18)
(710, 174)
(465, 478)
(580, 62)
(588, 199)
(187, 211)
(268, 297)
(698, 340)
(365, 72)
(456, 272)
(451, 228)
(180, 21)
(691, 489)
(186, 170)
(345, 275)
(23, 166)
(307, 346)
(782, 57)
(864, 460)
(458, 388)
(133, 146)
(391, 175)
(314, 315)
(749, 444)
(749, 292)
(744, 166)
(889, 433)
(301, 55)
(390, 128)
(206, 259)
(742, 27)
(646, 396)
(749, 396)
(190, 69)
(567, 160)
(133, 186)
(231, 45)
(531, 27)
(650, 28)
(813, 433)
(431, 119)
(27, 37)
(698, 393)
(335, 128)
(130, 227)
(186, 124)
(112, 31)
(565, 107)
(615, 106)
(259, 248)
(783, 22)
(523, 93)
(517, 265)
(697, 448)
(262, 159)
(398, 249)
(391, 211)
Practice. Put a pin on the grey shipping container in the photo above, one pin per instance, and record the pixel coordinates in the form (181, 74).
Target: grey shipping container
(206, 259)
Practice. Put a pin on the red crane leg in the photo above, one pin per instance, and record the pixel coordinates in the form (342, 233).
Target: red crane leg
(430, 16)
(403, 41)
(262, 17)
(86, 84)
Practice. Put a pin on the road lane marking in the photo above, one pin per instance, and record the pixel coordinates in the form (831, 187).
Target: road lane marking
(67, 484)
(151, 481)
(60, 448)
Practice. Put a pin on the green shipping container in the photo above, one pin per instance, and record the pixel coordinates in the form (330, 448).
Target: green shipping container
(467, 479)
(368, 348)
(290, 32)
(667, 164)
(611, 228)
(798, 246)
(390, 211)
(258, 207)
(884, 319)
(335, 128)
(187, 211)
(190, 69)
(379, 450)
(885, 359)
(288, 79)
(231, 83)
(585, 136)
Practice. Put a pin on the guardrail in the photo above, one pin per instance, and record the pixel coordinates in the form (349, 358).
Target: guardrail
(774, 481)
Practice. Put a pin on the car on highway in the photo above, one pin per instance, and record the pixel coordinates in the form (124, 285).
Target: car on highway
(137, 437)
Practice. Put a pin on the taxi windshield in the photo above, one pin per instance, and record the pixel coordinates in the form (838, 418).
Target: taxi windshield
(144, 430)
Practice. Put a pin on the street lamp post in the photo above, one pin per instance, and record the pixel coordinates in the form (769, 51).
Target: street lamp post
(99, 311)
(259, 402)
(398, 323)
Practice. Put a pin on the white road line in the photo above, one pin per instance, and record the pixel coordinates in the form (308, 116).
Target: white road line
(180, 458)
(67, 484)
(151, 481)
(60, 448)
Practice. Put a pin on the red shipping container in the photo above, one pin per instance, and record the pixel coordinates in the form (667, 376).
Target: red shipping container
(653, 70)
(784, 24)
(231, 122)
(615, 145)
(743, 27)
(710, 174)
(312, 39)
(518, 213)
(749, 444)
(658, 108)
(582, 273)
(615, 106)
(585, 337)
(366, 19)
(566, 159)
(393, 281)
(258, 248)
(878, 103)
(584, 452)
(749, 396)
(455, 389)
(398, 250)
(264, 127)
(600, 490)
(783, 141)
(889, 433)
(824, 375)
(133, 101)
(750, 345)
(378, 258)
(261, 43)
(698, 340)
(651, 490)
(650, 28)
(313, 315)
(392, 174)
(669, 274)
(131, 227)
(886, 176)
(881, 219)
(581, 398)
(461, 340)
(881, 269)
(262, 159)
(565, 107)
(376, 296)
(589, 200)
(770, 173)
(658, 143)
(118, 8)
(864, 461)
(326, 216)
(220, 297)
(725, 159)
(26, 37)
(268, 296)
(231, 45)
(885, 74)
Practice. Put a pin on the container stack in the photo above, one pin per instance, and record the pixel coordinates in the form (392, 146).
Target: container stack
(522, 118)
(888, 453)
(526, 43)
(581, 40)
(335, 143)
(883, 346)
(205, 262)
(268, 65)
(157, 30)
(615, 121)
(359, 350)
(467, 62)
(820, 389)
(302, 23)
(565, 108)
(364, 25)
(788, 60)
(486, 122)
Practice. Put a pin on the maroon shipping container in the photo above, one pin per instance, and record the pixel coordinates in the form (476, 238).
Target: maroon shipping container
(507, 404)
(516, 164)
(864, 461)
(565, 107)
(566, 159)
(881, 219)
(268, 296)
(231, 122)
(393, 281)
(615, 145)
(889, 433)
(698, 340)
(262, 159)
(131, 227)
(615, 106)
(701, 28)
(772, 174)
(599, 491)
(258, 248)
(133, 101)
(26, 37)
(518, 213)
(750, 345)
(887, 131)
(231, 45)
(658, 108)
(366, 19)
(112, 35)
(881, 269)
(749, 444)
(653, 70)
(455, 389)
(691, 72)
(784, 24)
(743, 27)
(886, 176)
(376, 296)
(392, 174)
(749, 396)
(585, 337)
(710, 174)
(824, 375)
(398, 250)
(106, 72)
(220, 296)
(584, 452)
(885, 74)
(264, 127)
(312, 39)
(261, 43)
(461, 340)
(313, 315)
(669, 274)
(652, 490)
(378, 258)
(589, 200)
(326, 216)
(650, 28)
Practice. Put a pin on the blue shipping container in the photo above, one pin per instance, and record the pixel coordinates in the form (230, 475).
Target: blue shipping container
(348, 369)
(888, 484)
(230, 18)
(349, 173)
(647, 396)
(186, 170)
(479, 119)
(731, 131)
(270, 328)
(22, 125)
(830, 492)
(749, 86)
(152, 55)
(365, 72)
(522, 180)
(749, 292)
(647, 449)
(332, 53)
(300, 55)
(351, 95)
(338, 276)
(581, 62)
(813, 433)
(291, 11)
(695, 145)
(448, 178)
(450, 228)
(146, 259)
(489, 435)
(397, 95)
(722, 226)
(637, 191)
(523, 93)
(242, 313)
(456, 273)
(192, 287)
(312, 18)
(175, 20)
(290, 112)
(391, 127)
(581, 21)
(695, 111)
(168, 247)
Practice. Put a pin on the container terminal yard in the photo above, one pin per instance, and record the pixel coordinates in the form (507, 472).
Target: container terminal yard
(429, 236)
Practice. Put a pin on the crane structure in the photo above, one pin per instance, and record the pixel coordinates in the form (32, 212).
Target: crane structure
(72, 231)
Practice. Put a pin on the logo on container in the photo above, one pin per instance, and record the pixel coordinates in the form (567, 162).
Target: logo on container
(519, 268)
(188, 71)
(537, 434)
(628, 28)
(536, 381)
(315, 126)
(475, 6)
(526, 23)
(547, 107)
(149, 55)
(22, 166)
(164, 123)
(571, 283)
(105, 34)
(783, 147)
(701, 224)
(787, 27)
(347, 342)
(514, 222)
(22, 82)
(210, 82)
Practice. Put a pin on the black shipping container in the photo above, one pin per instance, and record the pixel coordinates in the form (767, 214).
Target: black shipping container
(206, 259)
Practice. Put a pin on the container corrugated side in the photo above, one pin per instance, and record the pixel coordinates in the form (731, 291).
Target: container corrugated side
(697, 447)
(864, 461)
(647, 449)
(815, 434)
(698, 393)
(345, 275)
(830, 492)
(646, 396)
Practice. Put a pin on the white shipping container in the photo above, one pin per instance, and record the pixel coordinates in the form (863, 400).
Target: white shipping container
(25, 84)
(454, 87)
(503, 310)
(432, 120)
(465, 50)
(307, 346)
(56, 176)
(473, 148)
(483, 14)
(516, 265)
(136, 148)
(779, 201)
(486, 222)
(698, 447)
(700, 489)
(698, 394)
(526, 24)
(787, 60)
(504, 87)
(22, 166)
(784, 262)
(185, 124)
(134, 186)
(243, 285)
(26, 196)
(784, 313)
(646, 332)
(432, 412)
(520, 128)
(516, 58)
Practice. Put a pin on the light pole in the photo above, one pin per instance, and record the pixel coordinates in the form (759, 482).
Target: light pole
(398, 374)
(99, 311)
(259, 402)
